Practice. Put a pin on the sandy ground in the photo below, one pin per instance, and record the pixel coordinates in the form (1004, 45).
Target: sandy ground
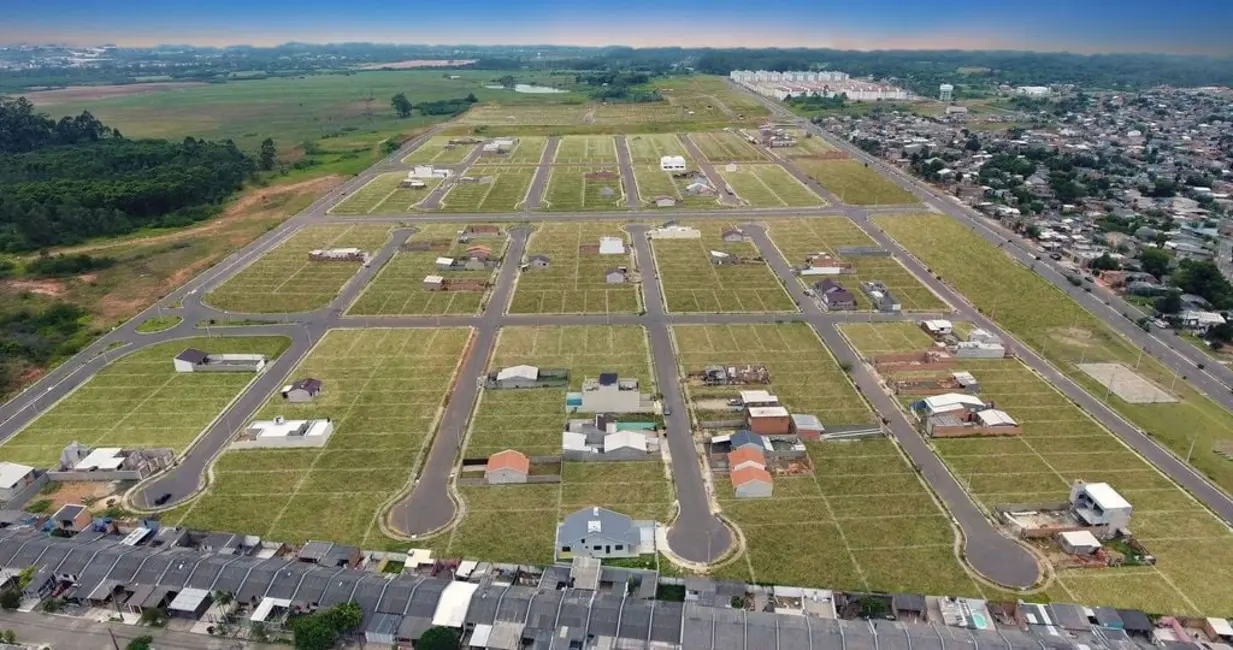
(91, 93)
(418, 63)
(53, 288)
(79, 491)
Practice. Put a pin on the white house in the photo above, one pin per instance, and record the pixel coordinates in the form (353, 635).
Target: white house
(937, 327)
(14, 478)
(283, 433)
(674, 232)
(672, 163)
(428, 171)
(1100, 506)
(950, 402)
(1200, 321)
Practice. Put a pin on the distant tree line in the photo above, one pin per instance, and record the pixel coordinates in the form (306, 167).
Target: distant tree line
(404, 108)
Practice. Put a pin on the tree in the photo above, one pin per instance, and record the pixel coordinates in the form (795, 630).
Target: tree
(10, 599)
(471, 98)
(1105, 263)
(402, 105)
(1203, 278)
(507, 82)
(439, 638)
(1155, 261)
(313, 632)
(345, 617)
(144, 642)
(1170, 303)
(268, 156)
(9, 637)
(257, 632)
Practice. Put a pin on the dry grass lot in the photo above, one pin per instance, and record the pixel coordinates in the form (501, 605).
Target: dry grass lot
(517, 523)
(586, 149)
(127, 404)
(863, 520)
(653, 183)
(726, 146)
(383, 389)
(569, 189)
(797, 238)
(768, 186)
(438, 151)
(284, 280)
(499, 189)
(398, 290)
(648, 148)
(806, 145)
(528, 151)
(574, 282)
(692, 283)
(854, 183)
(383, 195)
(1062, 444)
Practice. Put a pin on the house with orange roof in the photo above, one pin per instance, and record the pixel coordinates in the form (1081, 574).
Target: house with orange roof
(746, 457)
(507, 467)
(751, 482)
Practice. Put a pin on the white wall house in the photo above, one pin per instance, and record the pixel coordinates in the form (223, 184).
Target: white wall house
(672, 163)
(281, 433)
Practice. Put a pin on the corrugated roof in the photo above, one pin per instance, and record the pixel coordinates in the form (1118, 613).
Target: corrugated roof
(452, 608)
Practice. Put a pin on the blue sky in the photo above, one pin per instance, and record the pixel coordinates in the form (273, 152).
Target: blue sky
(1181, 26)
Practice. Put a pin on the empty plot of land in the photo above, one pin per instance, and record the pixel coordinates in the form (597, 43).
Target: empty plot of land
(648, 148)
(285, 280)
(574, 189)
(437, 150)
(528, 150)
(654, 183)
(768, 186)
(693, 283)
(496, 189)
(496, 115)
(586, 149)
(398, 290)
(385, 193)
(799, 238)
(575, 281)
(806, 145)
(130, 402)
(517, 523)
(726, 146)
(854, 183)
(383, 390)
(1126, 383)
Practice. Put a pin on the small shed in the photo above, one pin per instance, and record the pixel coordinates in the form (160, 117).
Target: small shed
(444, 263)
(751, 482)
(506, 467)
(665, 202)
(538, 261)
(434, 282)
(302, 390)
(611, 246)
(614, 276)
(807, 426)
(910, 607)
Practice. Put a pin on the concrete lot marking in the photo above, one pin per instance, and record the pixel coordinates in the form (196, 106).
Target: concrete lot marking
(1126, 383)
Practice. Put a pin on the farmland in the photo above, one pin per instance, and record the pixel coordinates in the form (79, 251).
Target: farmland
(854, 183)
(437, 150)
(398, 290)
(647, 148)
(383, 389)
(574, 189)
(768, 186)
(1061, 444)
(863, 519)
(1041, 316)
(797, 238)
(383, 194)
(284, 280)
(653, 183)
(498, 189)
(726, 146)
(127, 403)
(517, 523)
(692, 283)
(528, 151)
(574, 281)
(586, 149)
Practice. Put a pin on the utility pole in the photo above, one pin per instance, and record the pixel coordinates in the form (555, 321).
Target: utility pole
(1191, 450)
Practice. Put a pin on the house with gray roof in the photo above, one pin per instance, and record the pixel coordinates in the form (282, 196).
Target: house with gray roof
(600, 533)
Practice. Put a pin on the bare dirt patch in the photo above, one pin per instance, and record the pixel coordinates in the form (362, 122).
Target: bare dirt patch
(92, 93)
(418, 63)
(52, 288)
(1076, 336)
(79, 491)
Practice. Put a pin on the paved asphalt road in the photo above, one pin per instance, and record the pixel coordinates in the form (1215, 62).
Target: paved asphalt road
(535, 195)
(68, 633)
(717, 181)
(992, 554)
(633, 199)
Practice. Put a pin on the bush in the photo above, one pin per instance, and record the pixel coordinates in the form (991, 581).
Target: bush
(144, 642)
(439, 638)
(10, 599)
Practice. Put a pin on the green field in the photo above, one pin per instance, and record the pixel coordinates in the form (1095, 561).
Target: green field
(1062, 444)
(517, 523)
(437, 150)
(768, 186)
(284, 280)
(574, 282)
(653, 183)
(797, 238)
(854, 183)
(498, 189)
(726, 146)
(1041, 316)
(383, 195)
(398, 290)
(648, 148)
(806, 145)
(569, 189)
(711, 98)
(862, 520)
(693, 284)
(127, 404)
(383, 389)
(586, 149)
(528, 151)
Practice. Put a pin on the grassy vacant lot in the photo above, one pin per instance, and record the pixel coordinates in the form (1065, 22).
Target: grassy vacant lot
(711, 98)
(500, 189)
(586, 149)
(131, 402)
(854, 183)
(569, 189)
(528, 151)
(648, 148)
(398, 290)
(797, 238)
(806, 145)
(437, 150)
(692, 284)
(284, 280)
(574, 282)
(653, 183)
(1061, 444)
(383, 194)
(518, 523)
(769, 186)
(1040, 315)
(726, 146)
(383, 389)
(863, 520)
